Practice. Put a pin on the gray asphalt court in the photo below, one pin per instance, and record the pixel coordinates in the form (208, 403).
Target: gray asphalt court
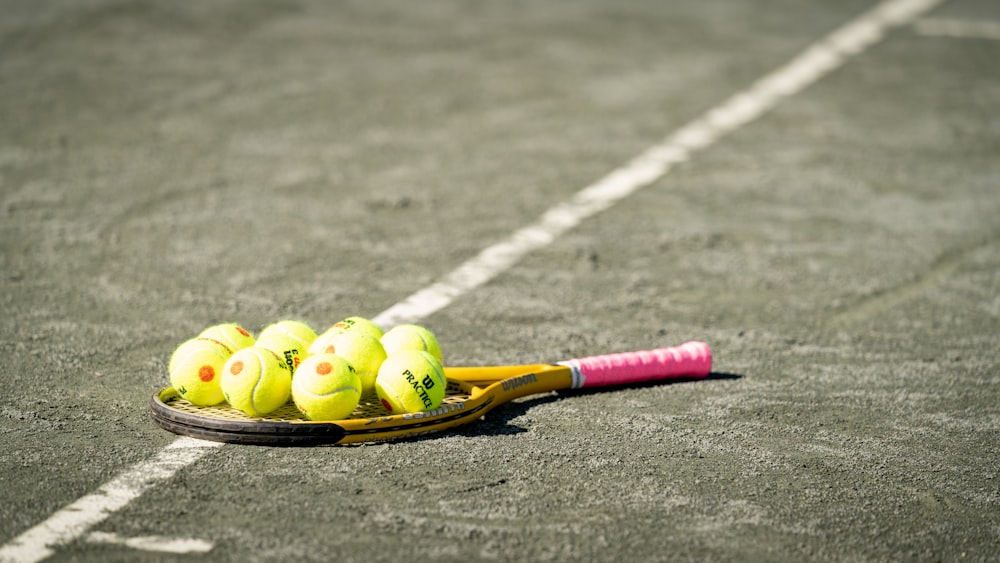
(822, 211)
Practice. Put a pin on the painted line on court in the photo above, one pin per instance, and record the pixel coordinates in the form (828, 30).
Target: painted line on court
(823, 57)
(76, 519)
(818, 60)
(961, 29)
(160, 544)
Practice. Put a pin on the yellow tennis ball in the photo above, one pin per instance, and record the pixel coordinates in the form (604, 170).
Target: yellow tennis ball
(326, 387)
(322, 341)
(178, 352)
(410, 381)
(196, 371)
(411, 337)
(359, 323)
(363, 351)
(256, 381)
(298, 330)
(350, 324)
(232, 335)
(286, 346)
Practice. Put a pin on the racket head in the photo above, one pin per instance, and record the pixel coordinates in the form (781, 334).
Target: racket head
(470, 393)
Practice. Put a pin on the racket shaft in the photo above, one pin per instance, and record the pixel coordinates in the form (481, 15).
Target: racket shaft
(482, 376)
(691, 359)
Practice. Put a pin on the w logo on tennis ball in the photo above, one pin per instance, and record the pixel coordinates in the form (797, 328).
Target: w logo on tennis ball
(428, 382)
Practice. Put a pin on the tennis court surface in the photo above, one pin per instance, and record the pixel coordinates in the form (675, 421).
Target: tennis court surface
(809, 187)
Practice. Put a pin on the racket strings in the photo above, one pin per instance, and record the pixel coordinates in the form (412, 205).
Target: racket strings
(368, 407)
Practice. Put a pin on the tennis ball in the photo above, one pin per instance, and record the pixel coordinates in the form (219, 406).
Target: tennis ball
(350, 324)
(410, 381)
(232, 335)
(178, 355)
(360, 323)
(298, 330)
(411, 337)
(196, 371)
(322, 341)
(256, 381)
(286, 346)
(363, 351)
(326, 387)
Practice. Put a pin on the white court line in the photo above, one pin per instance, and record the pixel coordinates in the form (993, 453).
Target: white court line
(964, 29)
(160, 544)
(820, 59)
(815, 62)
(75, 520)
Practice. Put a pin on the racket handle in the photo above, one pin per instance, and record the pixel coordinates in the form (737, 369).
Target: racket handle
(691, 359)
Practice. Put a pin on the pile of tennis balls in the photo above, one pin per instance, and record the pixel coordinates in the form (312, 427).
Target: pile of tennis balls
(324, 375)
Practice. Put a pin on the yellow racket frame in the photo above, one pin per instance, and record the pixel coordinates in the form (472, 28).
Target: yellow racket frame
(471, 393)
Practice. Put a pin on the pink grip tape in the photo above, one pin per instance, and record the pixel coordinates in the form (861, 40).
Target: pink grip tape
(691, 359)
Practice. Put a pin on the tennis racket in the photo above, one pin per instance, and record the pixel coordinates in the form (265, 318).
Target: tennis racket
(471, 393)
